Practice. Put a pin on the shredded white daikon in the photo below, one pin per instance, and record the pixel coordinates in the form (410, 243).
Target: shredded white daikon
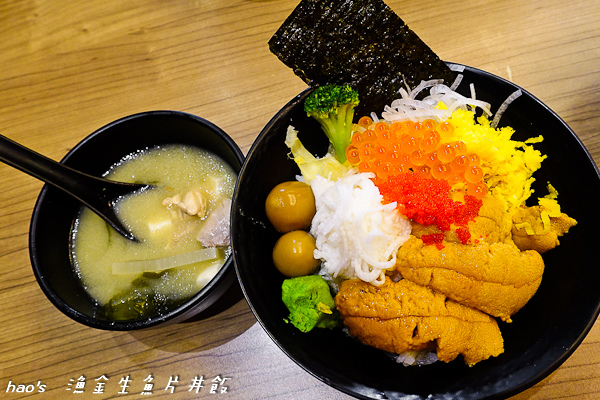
(515, 95)
(356, 235)
(409, 107)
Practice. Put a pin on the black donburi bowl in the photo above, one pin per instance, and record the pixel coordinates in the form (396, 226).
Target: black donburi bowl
(54, 212)
(542, 335)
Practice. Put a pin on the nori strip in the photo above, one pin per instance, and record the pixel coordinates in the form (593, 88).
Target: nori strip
(359, 42)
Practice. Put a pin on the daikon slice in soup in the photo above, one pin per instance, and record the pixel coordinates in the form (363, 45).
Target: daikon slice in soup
(182, 227)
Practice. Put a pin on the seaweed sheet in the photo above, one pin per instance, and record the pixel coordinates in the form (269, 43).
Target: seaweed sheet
(359, 42)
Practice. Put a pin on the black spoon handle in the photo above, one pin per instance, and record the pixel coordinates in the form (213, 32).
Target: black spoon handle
(96, 193)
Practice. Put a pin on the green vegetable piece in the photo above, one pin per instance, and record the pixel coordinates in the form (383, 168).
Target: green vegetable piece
(362, 43)
(333, 107)
(139, 301)
(309, 302)
(131, 305)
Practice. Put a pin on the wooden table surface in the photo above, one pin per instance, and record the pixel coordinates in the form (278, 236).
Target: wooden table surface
(69, 67)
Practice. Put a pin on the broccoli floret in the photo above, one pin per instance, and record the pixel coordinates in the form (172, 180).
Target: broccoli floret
(333, 106)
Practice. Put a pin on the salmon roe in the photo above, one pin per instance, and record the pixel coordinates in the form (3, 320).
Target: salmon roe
(422, 147)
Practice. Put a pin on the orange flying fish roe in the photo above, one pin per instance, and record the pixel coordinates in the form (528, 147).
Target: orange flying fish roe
(434, 238)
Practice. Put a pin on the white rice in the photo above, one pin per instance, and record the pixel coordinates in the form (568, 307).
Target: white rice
(410, 358)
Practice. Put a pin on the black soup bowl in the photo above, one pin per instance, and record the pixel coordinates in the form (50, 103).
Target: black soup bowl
(542, 335)
(55, 212)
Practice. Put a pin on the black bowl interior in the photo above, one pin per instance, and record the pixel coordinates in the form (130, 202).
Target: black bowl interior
(55, 211)
(543, 334)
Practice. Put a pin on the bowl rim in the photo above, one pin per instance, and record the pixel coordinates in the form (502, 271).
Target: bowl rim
(543, 373)
(224, 278)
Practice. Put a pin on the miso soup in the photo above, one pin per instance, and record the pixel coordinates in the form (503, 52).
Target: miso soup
(182, 227)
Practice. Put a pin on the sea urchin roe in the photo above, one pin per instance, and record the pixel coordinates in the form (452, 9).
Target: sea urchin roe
(428, 202)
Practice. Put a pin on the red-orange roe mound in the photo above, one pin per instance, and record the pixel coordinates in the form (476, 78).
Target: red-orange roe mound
(427, 201)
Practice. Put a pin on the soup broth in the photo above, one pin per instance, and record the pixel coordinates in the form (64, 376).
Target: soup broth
(170, 263)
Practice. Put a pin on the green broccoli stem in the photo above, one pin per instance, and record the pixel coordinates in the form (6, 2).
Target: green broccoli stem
(338, 128)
